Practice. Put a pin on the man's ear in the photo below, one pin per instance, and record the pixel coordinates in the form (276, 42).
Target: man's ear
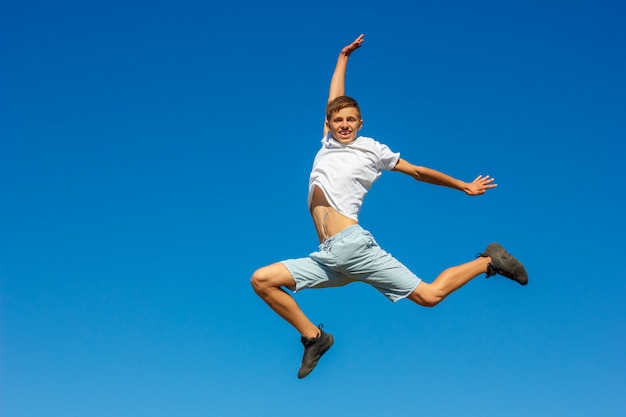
(360, 124)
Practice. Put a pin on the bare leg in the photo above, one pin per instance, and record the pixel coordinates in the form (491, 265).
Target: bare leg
(267, 283)
(429, 295)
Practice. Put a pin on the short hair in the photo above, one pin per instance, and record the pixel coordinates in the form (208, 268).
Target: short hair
(341, 103)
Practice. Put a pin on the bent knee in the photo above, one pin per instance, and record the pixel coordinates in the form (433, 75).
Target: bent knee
(272, 276)
(426, 295)
(431, 302)
(259, 280)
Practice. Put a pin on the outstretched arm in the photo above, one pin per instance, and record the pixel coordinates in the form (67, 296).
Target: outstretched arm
(338, 80)
(431, 176)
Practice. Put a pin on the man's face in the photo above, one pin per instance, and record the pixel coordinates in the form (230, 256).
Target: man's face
(345, 124)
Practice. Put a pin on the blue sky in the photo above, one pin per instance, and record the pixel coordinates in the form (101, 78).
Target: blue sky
(154, 154)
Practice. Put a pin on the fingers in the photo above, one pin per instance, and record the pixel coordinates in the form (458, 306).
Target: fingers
(480, 185)
(485, 181)
(354, 45)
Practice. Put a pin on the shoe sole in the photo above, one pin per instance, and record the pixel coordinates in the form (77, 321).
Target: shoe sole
(301, 373)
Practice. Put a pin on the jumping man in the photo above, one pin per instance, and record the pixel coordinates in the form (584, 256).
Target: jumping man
(343, 171)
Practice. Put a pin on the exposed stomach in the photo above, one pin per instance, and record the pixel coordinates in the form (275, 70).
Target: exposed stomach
(327, 220)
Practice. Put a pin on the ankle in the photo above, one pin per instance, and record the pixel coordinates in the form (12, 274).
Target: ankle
(314, 334)
(485, 261)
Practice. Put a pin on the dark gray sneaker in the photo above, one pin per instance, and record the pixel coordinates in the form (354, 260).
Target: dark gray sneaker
(504, 264)
(314, 348)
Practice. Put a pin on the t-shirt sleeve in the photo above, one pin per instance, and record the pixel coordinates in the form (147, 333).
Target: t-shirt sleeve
(388, 158)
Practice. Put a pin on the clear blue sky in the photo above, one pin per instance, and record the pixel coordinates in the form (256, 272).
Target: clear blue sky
(153, 154)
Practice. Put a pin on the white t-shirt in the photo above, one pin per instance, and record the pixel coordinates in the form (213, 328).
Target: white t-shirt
(345, 173)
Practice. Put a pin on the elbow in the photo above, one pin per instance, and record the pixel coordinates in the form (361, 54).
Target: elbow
(418, 173)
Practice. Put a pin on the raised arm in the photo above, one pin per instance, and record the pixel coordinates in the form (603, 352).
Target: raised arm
(338, 80)
(431, 176)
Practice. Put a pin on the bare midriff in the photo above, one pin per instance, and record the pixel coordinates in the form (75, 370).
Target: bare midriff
(327, 220)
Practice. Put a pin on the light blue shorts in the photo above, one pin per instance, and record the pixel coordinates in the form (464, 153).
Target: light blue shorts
(352, 255)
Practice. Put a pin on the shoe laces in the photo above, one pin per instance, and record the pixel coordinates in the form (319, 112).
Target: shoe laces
(308, 341)
(491, 271)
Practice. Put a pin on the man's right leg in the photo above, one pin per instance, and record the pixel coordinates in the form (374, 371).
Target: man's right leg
(267, 283)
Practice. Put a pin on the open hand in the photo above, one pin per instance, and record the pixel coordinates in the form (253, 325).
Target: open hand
(479, 185)
(356, 44)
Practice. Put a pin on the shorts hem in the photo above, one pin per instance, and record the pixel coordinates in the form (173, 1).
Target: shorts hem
(292, 288)
(402, 297)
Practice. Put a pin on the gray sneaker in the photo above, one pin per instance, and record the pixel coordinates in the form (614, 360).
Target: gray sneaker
(504, 264)
(314, 348)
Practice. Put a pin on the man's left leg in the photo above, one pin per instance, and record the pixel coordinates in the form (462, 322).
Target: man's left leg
(494, 260)
(450, 280)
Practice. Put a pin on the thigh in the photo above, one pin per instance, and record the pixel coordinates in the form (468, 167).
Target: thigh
(393, 279)
(378, 268)
(311, 273)
(275, 275)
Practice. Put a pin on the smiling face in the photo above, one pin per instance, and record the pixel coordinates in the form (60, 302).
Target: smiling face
(344, 124)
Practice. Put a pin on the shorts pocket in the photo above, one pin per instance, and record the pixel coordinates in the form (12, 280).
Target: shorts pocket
(326, 257)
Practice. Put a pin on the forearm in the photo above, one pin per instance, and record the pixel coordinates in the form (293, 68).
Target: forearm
(428, 175)
(338, 80)
(432, 176)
